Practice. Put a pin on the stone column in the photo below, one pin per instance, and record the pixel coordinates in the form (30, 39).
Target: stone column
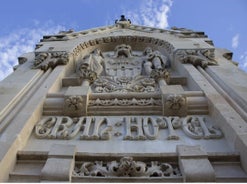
(60, 164)
(194, 164)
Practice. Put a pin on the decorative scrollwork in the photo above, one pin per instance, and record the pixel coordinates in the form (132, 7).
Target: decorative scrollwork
(126, 167)
(195, 127)
(124, 84)
(125, 102)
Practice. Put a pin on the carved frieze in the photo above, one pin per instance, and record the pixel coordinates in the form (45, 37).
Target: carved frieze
(124, 84)
(127, 127)
(45, 60)
(201, 57)
(126, 167)
(125, 102)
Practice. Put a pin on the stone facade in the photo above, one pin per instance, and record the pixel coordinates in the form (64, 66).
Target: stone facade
(124, 103)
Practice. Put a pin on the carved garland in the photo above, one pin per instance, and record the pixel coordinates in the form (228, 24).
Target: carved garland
(126, 167)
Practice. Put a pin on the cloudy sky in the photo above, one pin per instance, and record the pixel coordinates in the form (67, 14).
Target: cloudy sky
(24, 22)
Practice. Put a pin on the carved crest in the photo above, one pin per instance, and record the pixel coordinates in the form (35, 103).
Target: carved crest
(123, 70)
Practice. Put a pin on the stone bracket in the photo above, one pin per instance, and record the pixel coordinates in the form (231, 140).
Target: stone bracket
(194, 164)
(60, 163)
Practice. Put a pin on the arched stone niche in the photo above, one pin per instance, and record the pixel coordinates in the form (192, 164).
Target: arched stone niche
(137, 43)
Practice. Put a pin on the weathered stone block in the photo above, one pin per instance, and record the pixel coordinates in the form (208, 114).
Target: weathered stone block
(62, 151)
(57, 169)
(194, 164)
(197, 170)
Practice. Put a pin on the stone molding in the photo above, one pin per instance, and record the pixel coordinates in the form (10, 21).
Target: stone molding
(155, 42)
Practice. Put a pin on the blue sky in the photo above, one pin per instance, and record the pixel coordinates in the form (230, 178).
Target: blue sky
(24, 22)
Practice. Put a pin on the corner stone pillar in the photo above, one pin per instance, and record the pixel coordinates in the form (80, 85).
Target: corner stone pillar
(194, 164)
(60, 164)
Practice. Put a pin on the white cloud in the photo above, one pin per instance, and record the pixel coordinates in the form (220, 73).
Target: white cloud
(22, 41)
(235, 41)
(153, 13)
(243, 61)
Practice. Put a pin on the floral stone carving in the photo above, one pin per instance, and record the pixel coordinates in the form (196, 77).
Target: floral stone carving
(126, 167)
(175, 102)
(73, 103)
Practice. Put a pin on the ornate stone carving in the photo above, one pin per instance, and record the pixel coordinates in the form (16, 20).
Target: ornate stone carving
(122, 71)
(125, 84)
(45, 60)
(202, 57)
(73, 103)
(125, 39)
(195, 127)
(175, 102)
(160, 74)
(154, 60)
(67, 128)
(126, 167)
(129, 128)
(91, 66)
(125, 102)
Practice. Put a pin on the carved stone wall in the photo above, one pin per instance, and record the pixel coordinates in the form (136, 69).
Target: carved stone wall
(124, 103)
